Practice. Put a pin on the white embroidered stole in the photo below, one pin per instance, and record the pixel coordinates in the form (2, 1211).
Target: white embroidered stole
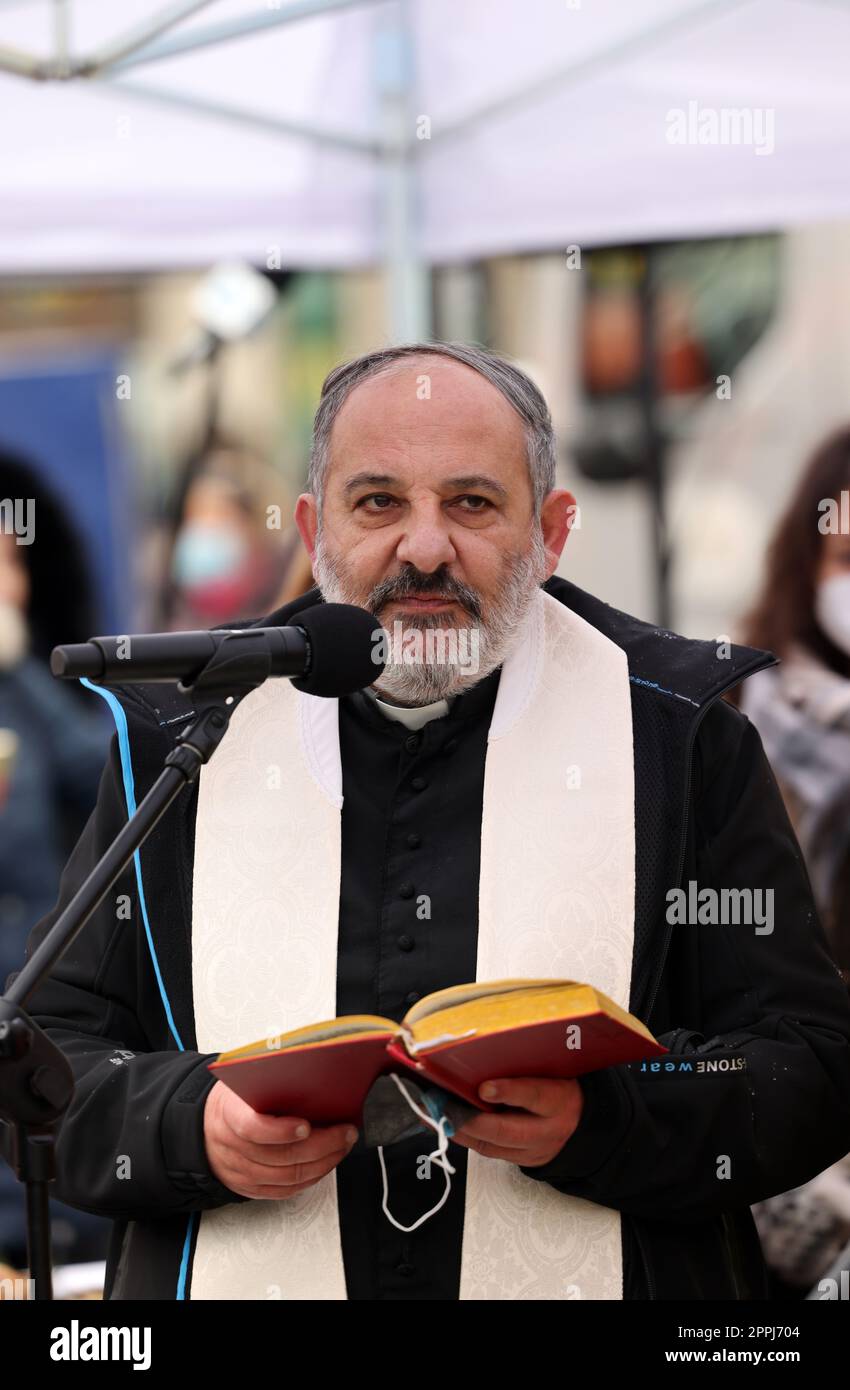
(556, 899)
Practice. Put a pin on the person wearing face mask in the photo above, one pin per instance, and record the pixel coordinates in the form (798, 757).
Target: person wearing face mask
(229, 560)
(52, 752)
(801, 709)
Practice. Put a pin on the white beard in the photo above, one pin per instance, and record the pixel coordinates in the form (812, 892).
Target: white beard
(490, 639)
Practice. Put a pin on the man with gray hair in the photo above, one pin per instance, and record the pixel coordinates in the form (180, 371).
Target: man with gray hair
(486, 428)
(512, 801)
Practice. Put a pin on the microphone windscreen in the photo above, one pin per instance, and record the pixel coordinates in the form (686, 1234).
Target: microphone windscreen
(346, 643)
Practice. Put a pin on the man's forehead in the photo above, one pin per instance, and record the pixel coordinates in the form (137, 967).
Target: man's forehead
(453, 375)
(417, 399)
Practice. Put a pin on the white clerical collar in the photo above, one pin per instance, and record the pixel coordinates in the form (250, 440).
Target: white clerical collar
(412, 716)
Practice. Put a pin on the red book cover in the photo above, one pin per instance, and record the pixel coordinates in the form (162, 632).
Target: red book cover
(323, 1082)
(327, 1082)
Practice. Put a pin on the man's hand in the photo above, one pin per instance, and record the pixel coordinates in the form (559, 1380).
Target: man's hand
(546, 1116)
(268, 1156)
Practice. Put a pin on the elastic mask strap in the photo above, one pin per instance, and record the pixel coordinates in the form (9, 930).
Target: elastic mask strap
(439, 1157)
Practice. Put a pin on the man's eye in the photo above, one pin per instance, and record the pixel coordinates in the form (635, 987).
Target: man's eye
(372, 496)
(376, 498)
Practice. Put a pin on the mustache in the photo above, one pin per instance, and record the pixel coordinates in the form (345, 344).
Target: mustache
(412, 582)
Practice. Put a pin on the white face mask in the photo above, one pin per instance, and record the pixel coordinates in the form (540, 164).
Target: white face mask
(14, 635)
(832, 610)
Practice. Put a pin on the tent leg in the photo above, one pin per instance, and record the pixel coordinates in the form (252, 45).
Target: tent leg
(408, 281)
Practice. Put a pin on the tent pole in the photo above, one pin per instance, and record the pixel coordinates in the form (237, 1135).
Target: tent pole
(141, 36)
(225, 32)
(62, 35)
(575, 72)
(408, 283)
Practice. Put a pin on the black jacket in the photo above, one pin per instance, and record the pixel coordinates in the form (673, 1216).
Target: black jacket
(680, 1154)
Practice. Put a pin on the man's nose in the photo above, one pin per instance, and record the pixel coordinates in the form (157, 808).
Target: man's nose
(426, 542)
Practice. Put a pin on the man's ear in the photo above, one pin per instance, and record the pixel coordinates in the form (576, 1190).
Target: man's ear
(307, 521)
(557, 518)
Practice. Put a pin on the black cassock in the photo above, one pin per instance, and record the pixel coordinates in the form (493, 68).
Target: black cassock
(408, 925)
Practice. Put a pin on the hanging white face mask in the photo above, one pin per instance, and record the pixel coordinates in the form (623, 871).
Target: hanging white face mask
(832, 610)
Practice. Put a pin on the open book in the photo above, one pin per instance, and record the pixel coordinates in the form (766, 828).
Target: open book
(456, 1038)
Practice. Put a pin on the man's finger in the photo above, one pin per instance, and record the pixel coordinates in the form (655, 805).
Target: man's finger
(291, 1175)
(479, 1146)
(513, 1130)
(320, 1144)
(534, 1093)
(249, 1125)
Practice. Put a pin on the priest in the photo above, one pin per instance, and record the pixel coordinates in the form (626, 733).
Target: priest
(519, 799)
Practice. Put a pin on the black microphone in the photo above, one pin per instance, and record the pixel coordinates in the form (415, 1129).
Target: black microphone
(330, 650)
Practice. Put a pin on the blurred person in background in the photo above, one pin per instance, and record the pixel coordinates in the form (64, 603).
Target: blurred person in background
(53, 747)
(233, 555)
(802, 707)
(802, 712)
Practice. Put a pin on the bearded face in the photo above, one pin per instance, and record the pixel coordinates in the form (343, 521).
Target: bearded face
(432, 655)
(425, 514)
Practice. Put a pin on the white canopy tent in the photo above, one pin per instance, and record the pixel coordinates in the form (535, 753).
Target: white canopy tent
(337, 133)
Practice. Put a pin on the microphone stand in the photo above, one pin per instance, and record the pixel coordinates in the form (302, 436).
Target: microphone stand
(36, 1080)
